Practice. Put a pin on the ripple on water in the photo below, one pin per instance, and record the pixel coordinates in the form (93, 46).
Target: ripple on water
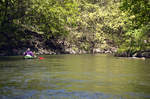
(64, 94)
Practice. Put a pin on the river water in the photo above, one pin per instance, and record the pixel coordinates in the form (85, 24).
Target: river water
(74, 77)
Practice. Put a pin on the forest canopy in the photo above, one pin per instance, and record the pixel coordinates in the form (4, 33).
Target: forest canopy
(84, 24)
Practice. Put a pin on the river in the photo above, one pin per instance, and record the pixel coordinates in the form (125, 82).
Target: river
(74, 77)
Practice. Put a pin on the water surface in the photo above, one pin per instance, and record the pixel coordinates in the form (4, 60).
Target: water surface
(74, 77)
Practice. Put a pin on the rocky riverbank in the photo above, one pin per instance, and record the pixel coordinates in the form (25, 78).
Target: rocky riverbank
(41, 46)
(44, 51)
(139, 54)
(51, 51)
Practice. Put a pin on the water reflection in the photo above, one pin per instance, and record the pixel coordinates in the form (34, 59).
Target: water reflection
(75, 77)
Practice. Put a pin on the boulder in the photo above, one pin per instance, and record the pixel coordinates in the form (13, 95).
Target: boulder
(145, 54)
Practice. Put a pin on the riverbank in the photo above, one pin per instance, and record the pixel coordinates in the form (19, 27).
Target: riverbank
(18, 52)
(41, 46)
(54, 48)
(44, 51)
(139, 54)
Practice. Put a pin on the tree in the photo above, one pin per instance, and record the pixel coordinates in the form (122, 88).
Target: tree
(137, 24)
(10, 12)
(51, 17)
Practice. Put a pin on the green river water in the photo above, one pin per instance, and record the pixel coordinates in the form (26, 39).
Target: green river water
(74, 77)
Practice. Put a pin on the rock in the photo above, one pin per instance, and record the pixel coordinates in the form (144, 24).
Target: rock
(142, 54)
(108, 51)
(123, 54)
(44, 51)
(70, 51)
(143, 58)
(135, 55)
(113, 49)
(98, 50)
(82, 52)
(146, 54)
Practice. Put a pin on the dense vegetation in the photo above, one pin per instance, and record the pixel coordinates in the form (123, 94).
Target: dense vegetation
(80, 25)
(137, 28)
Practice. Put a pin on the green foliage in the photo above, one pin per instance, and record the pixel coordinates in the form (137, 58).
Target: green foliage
(47, 17)
(137, 24)
(98, 21)
(85, 46)
(10, 12)
(52, 16)
(88, 24)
